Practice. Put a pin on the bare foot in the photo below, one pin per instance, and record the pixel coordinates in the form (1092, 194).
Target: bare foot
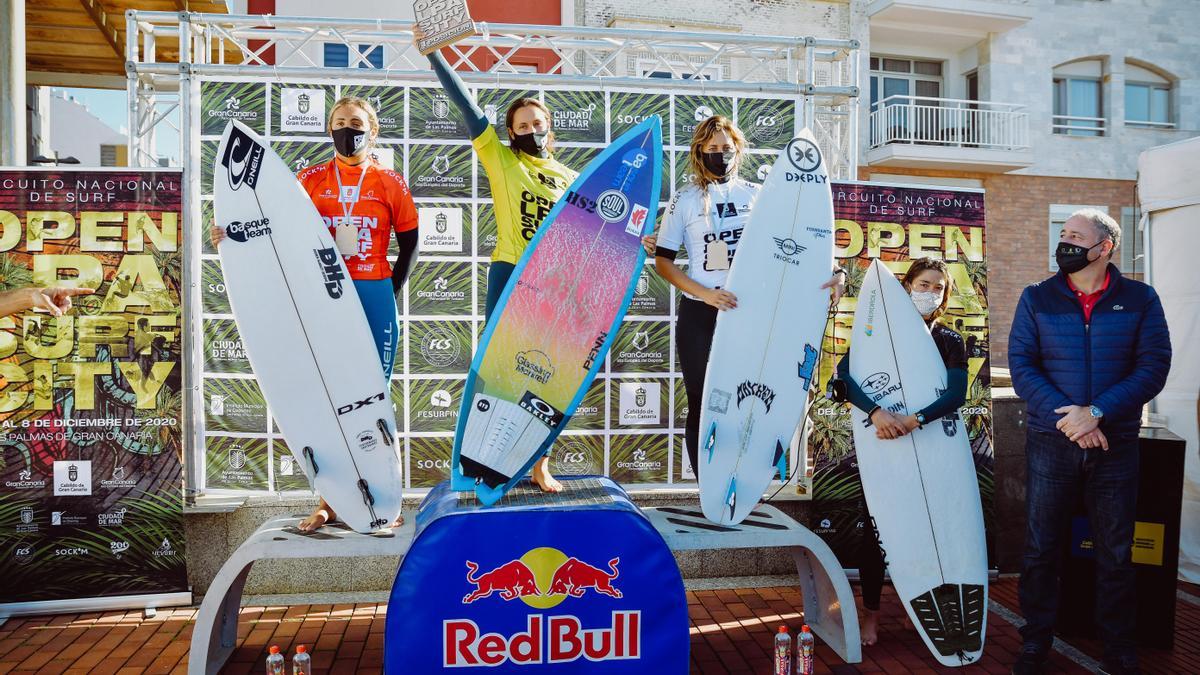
(396, 523)
(541, 476)
(869, 627)
(317, 519)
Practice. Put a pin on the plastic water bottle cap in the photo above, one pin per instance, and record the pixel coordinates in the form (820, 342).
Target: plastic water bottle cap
(301, 649)
(804, 629)
(274, 649)
(783, 629)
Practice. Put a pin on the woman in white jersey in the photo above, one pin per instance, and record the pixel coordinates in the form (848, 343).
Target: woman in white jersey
(707, 218)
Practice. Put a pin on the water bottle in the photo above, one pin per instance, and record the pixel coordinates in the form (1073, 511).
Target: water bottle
(275, 661)
(301, 662)
(783, 652)
(806, 644)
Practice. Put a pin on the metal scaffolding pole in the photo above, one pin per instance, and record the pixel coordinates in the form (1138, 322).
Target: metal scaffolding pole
(13, 135)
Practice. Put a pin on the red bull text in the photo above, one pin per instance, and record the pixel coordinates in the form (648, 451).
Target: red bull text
(555, 639)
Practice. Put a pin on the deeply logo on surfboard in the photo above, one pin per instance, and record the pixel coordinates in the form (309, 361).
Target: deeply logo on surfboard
(331, 270)
(756, 390)
(543, 411)
(343, 409)
(242, 159)
(804, 154)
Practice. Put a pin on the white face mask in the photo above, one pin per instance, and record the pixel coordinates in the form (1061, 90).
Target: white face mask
(926, 301)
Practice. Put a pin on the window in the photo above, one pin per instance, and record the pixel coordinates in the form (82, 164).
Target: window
(337, 55)
(1058, 217)
(1132, 253)
(683, 70)
(110, 155)
(904, 77)
(1078, 101)
(1147, 98)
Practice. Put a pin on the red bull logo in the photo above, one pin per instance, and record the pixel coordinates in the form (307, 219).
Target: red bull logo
(542, 578)
(557, 639)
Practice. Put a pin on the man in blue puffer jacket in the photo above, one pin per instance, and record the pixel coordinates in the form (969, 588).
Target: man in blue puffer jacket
(1088, 348)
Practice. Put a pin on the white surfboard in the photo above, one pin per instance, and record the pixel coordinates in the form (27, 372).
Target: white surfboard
(765, 351)
(305, 333)
(921, 488)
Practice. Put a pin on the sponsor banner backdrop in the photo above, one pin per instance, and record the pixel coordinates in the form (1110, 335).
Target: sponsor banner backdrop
(91, 473)
(442, 306)
(897, 224)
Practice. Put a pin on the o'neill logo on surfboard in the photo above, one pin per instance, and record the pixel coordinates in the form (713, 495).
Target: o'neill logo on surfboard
(328, 259)
(242, 159)
(756, 390)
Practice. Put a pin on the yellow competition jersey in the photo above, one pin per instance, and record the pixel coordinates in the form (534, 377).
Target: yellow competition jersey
(524, 189)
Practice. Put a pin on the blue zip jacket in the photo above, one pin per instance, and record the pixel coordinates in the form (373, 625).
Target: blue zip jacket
(1118, 362)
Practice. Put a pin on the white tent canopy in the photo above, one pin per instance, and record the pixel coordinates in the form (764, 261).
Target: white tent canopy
(1169, 192)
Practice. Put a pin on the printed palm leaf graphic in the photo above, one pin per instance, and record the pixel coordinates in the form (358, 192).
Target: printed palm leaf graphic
(978, 396)
(436, 277)
(14, 272)
(856, 271)
(828, 443)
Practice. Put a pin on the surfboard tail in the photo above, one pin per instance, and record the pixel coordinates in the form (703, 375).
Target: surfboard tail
(952, 616)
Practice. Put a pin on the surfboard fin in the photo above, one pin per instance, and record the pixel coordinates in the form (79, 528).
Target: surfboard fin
(312, 461)
(710, 441)
(731, 496)
(383, 429)
(781, 460)
(368, 498)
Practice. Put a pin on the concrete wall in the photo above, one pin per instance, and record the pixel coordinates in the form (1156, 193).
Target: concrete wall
(76, 132)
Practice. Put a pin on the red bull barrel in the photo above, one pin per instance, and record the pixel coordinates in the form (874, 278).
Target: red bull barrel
(579, 584)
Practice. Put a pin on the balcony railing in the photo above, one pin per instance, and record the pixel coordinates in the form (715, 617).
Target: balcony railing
(950, 122)
(1073, 125)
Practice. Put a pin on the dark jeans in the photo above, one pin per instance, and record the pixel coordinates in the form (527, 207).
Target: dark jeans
(1057, 472)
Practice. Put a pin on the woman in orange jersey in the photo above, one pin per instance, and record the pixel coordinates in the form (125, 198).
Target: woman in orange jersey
(363, 203)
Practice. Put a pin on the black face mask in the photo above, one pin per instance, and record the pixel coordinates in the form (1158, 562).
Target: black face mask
(718, 163)
(533, 143)
(349, 141)
(1071, 258)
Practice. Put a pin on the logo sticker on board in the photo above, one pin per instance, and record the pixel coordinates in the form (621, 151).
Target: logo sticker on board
(242, 159)
(804, 154)
(612, 205)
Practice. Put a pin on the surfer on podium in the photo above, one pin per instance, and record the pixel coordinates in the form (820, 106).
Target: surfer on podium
(929, 285)
(526, 181)
(363, 203)
(707, 218)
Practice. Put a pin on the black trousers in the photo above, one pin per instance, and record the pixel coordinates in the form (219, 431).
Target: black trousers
(693, 342)
(870, 562)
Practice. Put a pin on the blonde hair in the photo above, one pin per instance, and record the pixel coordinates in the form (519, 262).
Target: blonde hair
(360, 102)
(701, 176)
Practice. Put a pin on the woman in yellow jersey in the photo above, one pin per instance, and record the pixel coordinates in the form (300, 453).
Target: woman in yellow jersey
(526, 181)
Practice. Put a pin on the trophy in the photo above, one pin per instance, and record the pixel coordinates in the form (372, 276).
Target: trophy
(443, 22)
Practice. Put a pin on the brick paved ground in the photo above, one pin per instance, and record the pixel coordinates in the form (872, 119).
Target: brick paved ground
(732, 632)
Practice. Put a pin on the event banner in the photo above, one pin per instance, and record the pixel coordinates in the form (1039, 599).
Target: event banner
(898, 224)
(91, 480)
(630, 422)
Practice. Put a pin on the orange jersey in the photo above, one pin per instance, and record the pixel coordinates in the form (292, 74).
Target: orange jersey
(384, 205)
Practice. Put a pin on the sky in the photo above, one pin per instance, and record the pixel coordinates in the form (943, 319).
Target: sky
(111, 106)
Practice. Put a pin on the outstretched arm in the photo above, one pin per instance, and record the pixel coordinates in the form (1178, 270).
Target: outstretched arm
(456, 89)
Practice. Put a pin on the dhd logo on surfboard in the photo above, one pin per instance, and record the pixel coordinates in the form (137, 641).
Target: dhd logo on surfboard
(543, 578)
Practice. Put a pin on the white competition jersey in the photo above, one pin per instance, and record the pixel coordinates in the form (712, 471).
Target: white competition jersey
(690, 225)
